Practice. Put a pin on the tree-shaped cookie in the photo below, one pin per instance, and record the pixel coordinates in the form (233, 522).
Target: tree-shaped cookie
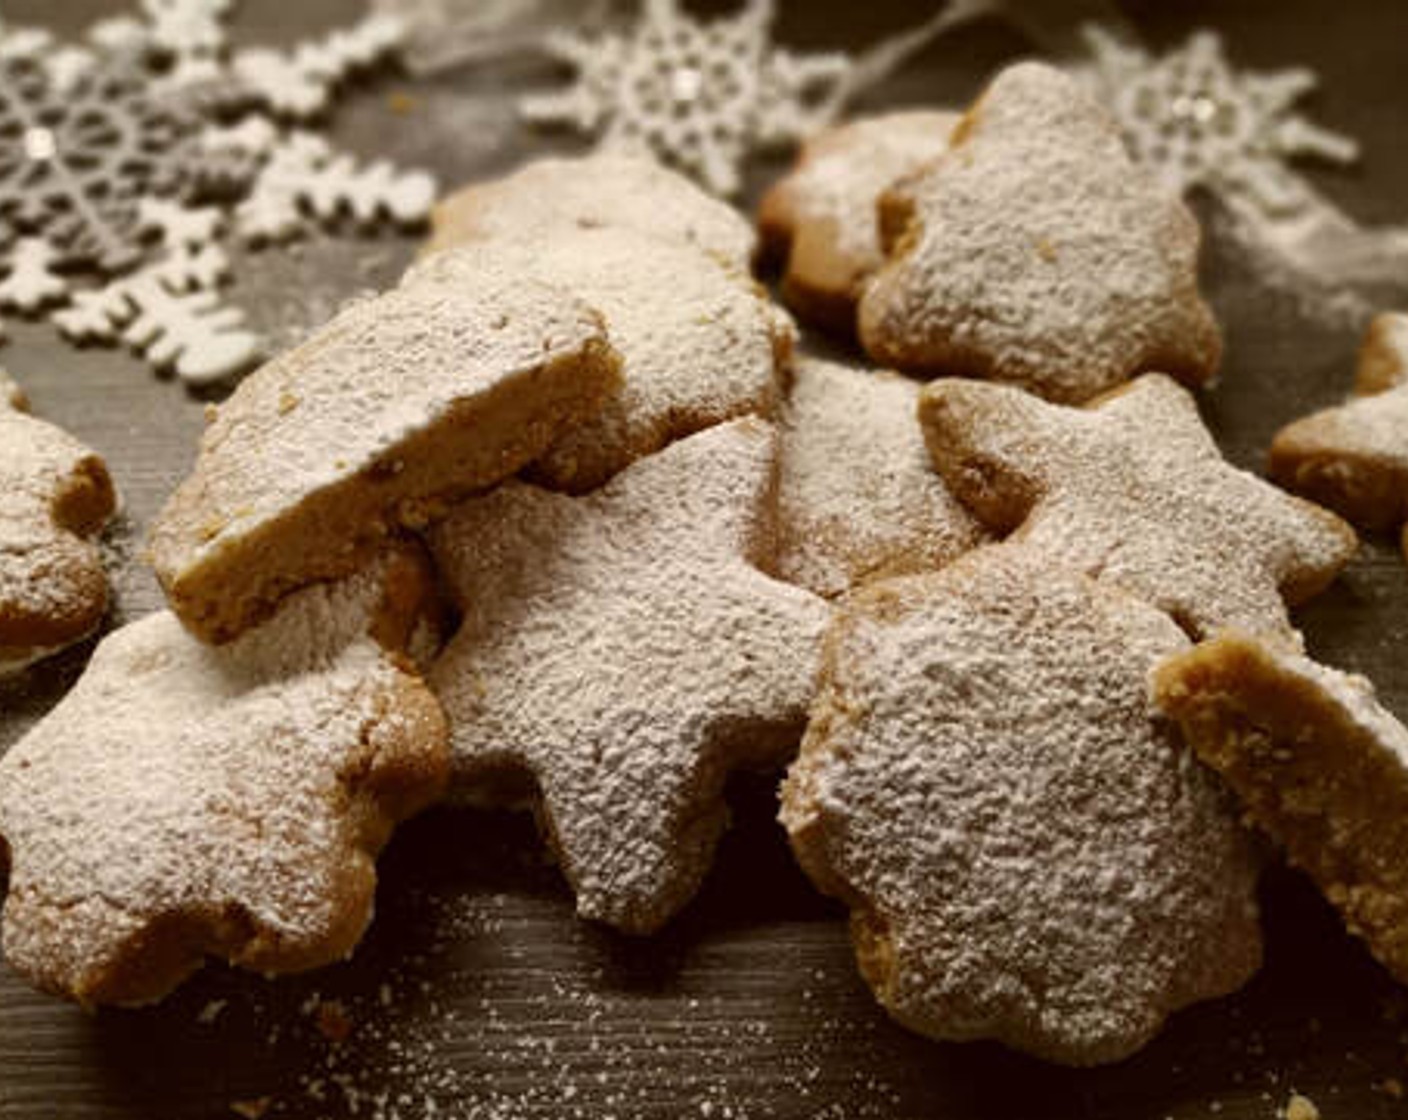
(625, 651)
(858, 497)
(1035, 251)
(55, 497)
(1354, 458)
(184, 801)
(699, 341)
(1029, 854)
(1134, 492)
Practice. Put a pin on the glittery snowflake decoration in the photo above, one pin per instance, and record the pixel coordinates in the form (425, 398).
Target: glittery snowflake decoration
(1199, 123)
(701, 96)
(124, 160)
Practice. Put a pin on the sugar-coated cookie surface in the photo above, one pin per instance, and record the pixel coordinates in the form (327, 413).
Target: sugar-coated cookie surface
(699, 341)
(1029, 854)
(399, 405)
(623, 649)
(1036, 252)
(1316, 761)
(858, 496)
(55, 497)
(602, 190)
(1354, 458)
(1133, 491)
(821, 219)
(184, 801)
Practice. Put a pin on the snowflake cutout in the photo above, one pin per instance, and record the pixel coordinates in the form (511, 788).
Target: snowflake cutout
(110, 150)
(701, 96)
(1198, 123)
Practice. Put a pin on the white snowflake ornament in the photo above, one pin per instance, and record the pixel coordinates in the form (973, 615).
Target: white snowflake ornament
(701, 96)
(298, 84)
(1198, 123)
(111, 144)
(303, 177)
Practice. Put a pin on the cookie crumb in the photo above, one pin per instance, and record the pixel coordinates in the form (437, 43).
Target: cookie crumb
(211, 1011)
(251, 1109)
(1300, 1108)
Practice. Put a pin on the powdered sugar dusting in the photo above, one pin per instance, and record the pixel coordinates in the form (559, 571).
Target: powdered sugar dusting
(858, 495)
(1135, 493)
(183, 800)
(1029, 854)
(624, 650)
(698, 340)
(55, 495)
(1038, 253)
(841, 174)
(602, 190)
(382, 372)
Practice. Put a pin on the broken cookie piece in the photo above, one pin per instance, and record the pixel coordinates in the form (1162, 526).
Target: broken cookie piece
(399, 406)
(1316, 762)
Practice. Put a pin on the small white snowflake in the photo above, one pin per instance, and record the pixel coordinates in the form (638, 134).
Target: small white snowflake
(701, 96)
(1197, 122)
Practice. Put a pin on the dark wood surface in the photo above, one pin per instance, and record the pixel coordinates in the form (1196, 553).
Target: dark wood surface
(477, 994)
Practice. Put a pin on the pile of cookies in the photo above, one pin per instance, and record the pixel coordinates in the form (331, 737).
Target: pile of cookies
(566, 520)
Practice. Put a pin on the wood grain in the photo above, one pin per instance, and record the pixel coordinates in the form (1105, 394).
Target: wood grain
(477, 994)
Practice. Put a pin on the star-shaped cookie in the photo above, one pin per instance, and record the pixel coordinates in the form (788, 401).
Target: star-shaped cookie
(184, 801)
(821, 219)
(601, 191)
(625, 651)
(1036, 252)
(55, 497)
(1134, 492)
(1354, 458)
(699, 341)
(858, 496)
(1027, 851)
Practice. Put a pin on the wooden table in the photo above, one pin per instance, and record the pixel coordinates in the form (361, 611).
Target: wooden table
(477, 994)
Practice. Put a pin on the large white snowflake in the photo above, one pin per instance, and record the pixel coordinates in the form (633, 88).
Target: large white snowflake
(117, 181)
(1198, 123)
(701, 96)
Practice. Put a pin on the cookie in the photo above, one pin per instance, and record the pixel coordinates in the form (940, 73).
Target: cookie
(625, 652)
(1027, 852)
(1354, 458)
(1134, 492)
(820, 221)
(55, 498)
(185, 802)
(602, 190)
(1316, 762)
(400, 405)
(699, 342)
(858, 496)
(1036, 252)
